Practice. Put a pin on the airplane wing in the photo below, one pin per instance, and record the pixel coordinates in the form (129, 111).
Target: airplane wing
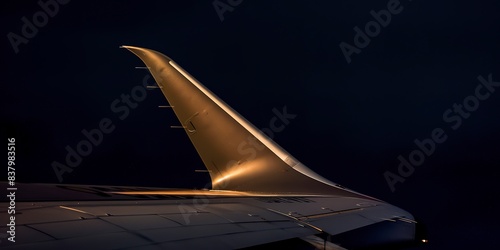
(260, 194)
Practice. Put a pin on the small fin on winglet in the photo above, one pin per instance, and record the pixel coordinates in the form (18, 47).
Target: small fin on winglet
(237, 155)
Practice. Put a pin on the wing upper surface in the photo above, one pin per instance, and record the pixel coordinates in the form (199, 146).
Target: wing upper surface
(194, 222)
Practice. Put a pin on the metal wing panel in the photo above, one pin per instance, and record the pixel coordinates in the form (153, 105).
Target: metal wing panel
(27, 234)
(95, 242)
(155, 223)
(140, 222)
(46, 214)
(335, 215)
(239, 240)
(76, 228)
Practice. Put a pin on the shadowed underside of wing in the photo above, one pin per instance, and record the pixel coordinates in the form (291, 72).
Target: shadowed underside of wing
(239, 157)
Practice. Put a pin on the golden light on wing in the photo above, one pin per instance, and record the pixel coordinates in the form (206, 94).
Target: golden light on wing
(222, 193)
(232, 173)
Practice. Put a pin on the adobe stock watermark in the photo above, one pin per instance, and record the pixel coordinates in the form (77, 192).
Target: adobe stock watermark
(372, 29)
(31, 26)
(427, 146)
(92, 138)
(248, 148)
(222, 7)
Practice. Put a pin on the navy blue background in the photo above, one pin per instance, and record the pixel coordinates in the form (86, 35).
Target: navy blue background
(353, 120)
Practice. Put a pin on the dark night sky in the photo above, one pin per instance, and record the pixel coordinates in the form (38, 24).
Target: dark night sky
(353, 119)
